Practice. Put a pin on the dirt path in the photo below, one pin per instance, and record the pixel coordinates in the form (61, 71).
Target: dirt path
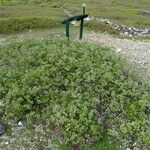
(136, 51)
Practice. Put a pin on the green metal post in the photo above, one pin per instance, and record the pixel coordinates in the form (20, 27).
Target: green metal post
(67, 29)
(81, 29)
(83, 10)
(81, 25)
(77, 18)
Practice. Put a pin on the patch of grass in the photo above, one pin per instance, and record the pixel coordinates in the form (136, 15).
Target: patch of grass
(104, 145)
(21, 17)
(20, 24)
(102, 27)
(38, 11)
(119, 11)
(131, 11)
(5, 2)
(64, 147)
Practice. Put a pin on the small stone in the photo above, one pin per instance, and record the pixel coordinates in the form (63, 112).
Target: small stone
(1, 129)
(118, 50)
(2, 104)
(88, 19)
(6, 143)
(130, 28)
(73, 22)
(20, 123)
(126, 33)
(136, 148)
(130, 35)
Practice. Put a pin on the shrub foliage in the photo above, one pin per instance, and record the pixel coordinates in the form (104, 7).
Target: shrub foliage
(20, 24)
(103, 27)
(83, 89)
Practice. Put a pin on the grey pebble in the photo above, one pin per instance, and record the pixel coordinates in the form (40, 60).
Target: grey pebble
(1, 129)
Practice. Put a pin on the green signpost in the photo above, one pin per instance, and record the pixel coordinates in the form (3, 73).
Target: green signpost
(77, 18)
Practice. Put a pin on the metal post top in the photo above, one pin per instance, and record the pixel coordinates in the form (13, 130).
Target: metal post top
(83, 5)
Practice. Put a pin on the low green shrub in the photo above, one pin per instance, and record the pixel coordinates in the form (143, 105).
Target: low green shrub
(82, 89)
(102, 27)
(131, 11)
(11, 2)
(10, 25)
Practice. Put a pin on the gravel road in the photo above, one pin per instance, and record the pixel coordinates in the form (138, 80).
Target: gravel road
(136, 51)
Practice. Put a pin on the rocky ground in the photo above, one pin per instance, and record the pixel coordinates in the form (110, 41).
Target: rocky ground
(2, 41)
(122, 29)
(135, 51)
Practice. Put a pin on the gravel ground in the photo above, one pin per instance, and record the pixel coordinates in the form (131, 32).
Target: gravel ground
(135, 51)
(26, 137)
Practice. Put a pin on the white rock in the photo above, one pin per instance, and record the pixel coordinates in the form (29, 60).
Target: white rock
(125, 33)
(20, 123)
(147, 30)
(2, 104)
(88, 19)
(6, 143)
(118, 50)
(75, 23)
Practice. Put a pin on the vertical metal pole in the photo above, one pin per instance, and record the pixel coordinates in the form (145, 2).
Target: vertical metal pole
(81, 24)
(81, 29)
(83, 10)
(67, 29)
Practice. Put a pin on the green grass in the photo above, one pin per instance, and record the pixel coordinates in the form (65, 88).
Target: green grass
(102, 145)
(17, 25)
(50, 80)
(121, 12)
(22, 17)
(101, 27)
(118, 11)
(78, 91)
(105, 145)
(131, 11)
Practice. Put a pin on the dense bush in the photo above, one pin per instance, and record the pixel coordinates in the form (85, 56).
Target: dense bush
(20, 24)
(13, 2)
(84, 90)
